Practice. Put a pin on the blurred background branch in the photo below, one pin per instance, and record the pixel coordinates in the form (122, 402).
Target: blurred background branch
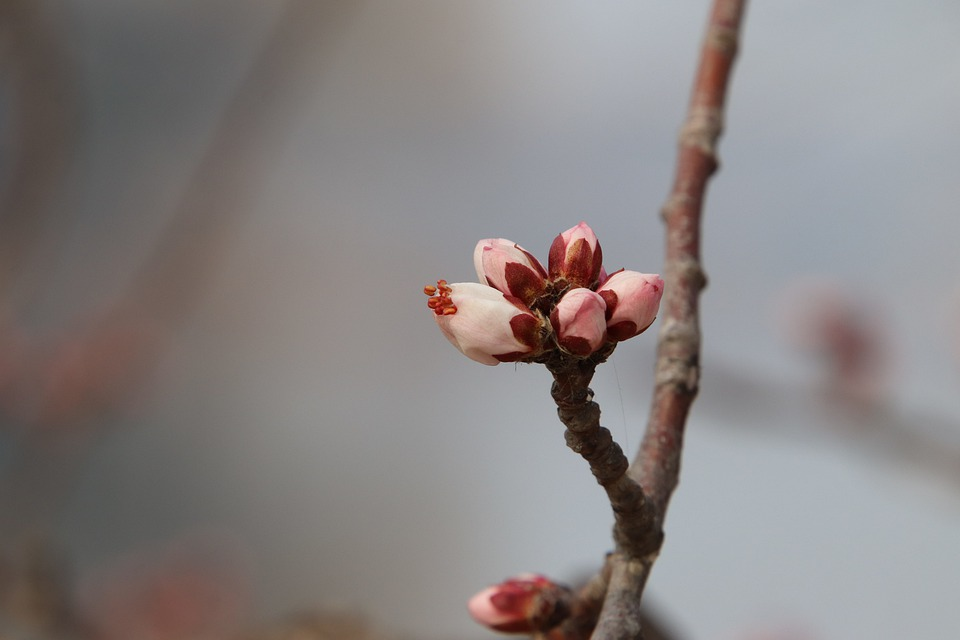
(40, 133)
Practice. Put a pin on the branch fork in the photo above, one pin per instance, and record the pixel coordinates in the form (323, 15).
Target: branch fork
(609, 607)
(569, 317)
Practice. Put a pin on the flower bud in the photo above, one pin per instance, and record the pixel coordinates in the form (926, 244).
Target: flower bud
(483, 323)
(526, 604)
(506, 266)
(575, 256)
(579, 320)
(632, 302)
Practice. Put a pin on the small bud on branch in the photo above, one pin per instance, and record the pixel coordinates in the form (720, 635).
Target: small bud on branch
(526, 604)
(523, 312)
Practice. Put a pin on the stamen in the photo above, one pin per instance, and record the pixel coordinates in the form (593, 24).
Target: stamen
(439, 300)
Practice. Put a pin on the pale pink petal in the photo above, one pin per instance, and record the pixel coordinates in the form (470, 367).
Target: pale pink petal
(508, 267)
(487, 326)
(633, 300)
(579, 321)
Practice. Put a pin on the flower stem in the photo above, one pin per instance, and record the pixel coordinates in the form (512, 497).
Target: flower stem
(634, 530)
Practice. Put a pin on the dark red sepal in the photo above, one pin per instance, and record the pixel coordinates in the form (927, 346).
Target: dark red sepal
(523, 282)
(576, 345)
(526, 329)
(622, 330)
(611, 298)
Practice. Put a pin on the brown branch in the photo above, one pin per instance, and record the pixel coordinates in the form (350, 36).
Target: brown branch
(43, 132)
(634, 529)
(639, 493)
(585, 610)
(657, 465)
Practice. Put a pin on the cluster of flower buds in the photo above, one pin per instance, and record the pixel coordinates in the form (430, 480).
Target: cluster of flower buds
(525, 604)
(521, 310)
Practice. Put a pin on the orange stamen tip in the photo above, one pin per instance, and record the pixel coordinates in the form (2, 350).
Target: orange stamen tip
(449, 311)
(429, 289)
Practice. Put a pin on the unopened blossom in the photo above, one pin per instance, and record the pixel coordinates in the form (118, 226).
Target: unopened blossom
(579, 321)
(484, 324)
(505, 318)
(633, 300)
(575, 256)
(525, 604)
(508, 267)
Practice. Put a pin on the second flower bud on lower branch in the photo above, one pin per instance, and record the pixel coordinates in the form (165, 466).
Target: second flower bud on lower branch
(528, 603)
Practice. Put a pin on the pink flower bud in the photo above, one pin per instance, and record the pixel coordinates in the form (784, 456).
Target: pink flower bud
(579, 320)
(506, 266)
(483, 323)
(575, 256)
(632, 302)
(526, 604)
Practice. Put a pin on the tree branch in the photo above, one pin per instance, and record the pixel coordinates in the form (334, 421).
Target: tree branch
(657, 465)
(44, 108)
(635, 528)
(640, 493)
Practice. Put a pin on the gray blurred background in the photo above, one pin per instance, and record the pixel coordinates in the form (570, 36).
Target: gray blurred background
(277, 223)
